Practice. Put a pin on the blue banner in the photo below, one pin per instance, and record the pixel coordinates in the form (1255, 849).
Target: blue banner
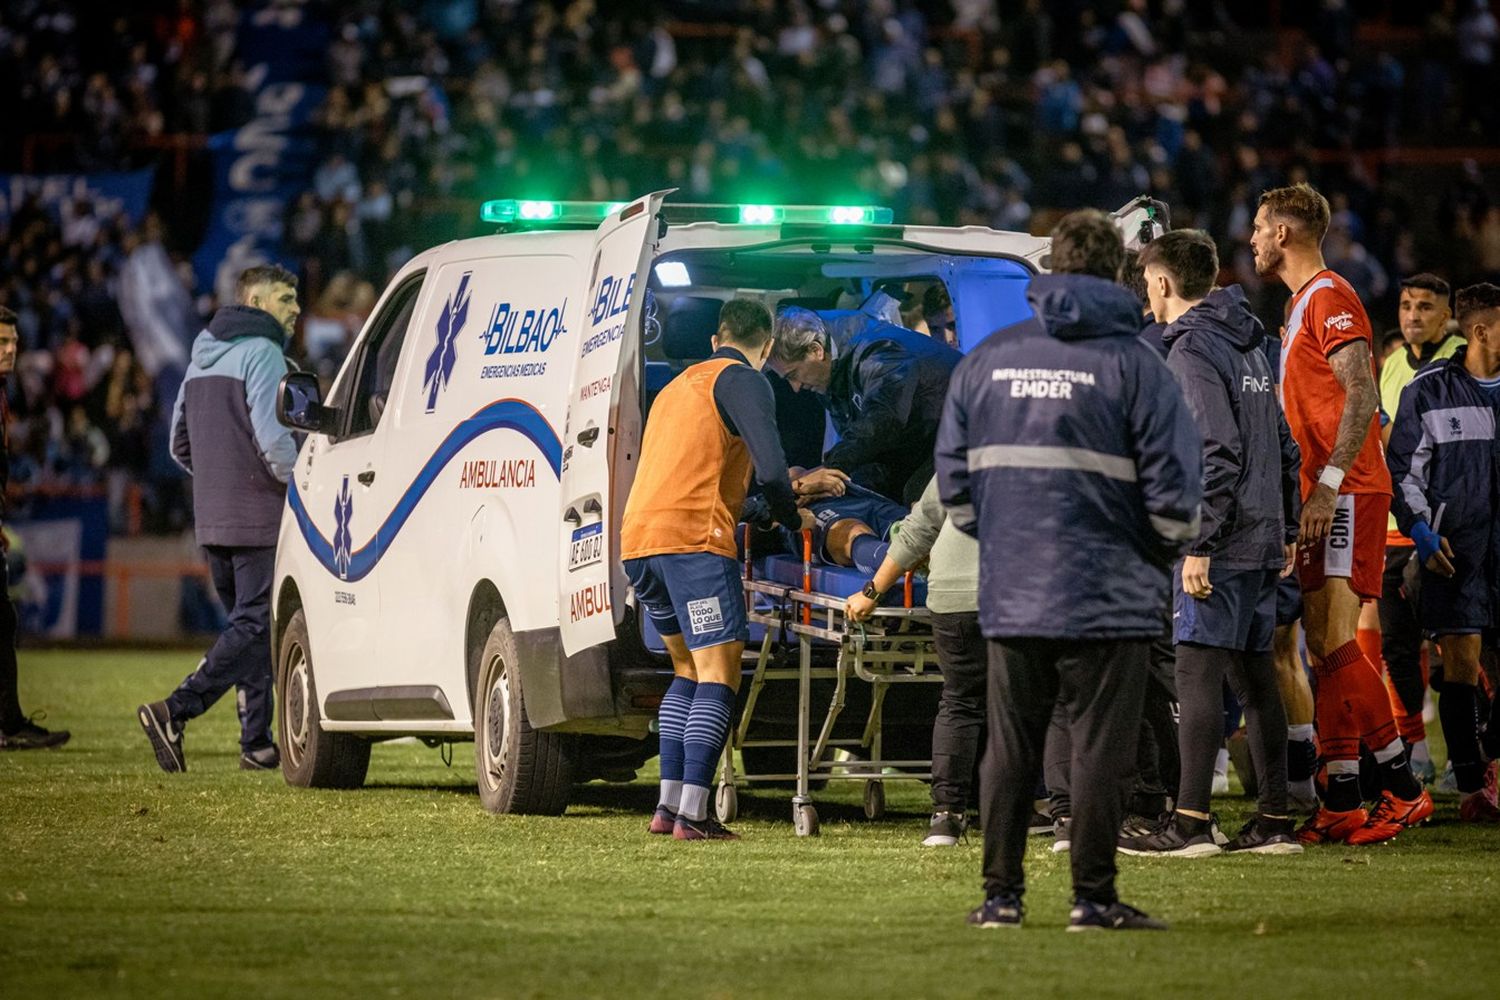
(112, 194)
(260, 168)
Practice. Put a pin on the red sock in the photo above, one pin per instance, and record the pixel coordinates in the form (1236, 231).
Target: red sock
(1353, 682)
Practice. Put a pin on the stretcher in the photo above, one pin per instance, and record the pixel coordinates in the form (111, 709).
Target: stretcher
(799, 604)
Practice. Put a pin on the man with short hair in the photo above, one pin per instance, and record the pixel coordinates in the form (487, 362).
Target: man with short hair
(1329, 395)
(709, 428)
(1424, 316)
(884, 389)
(1067, 450)
(1224, 593)
(1444, 462)
(17, 730)
(226, 436)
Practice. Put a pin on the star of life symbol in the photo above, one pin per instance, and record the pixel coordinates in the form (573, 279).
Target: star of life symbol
(445, 352)
(343, 543)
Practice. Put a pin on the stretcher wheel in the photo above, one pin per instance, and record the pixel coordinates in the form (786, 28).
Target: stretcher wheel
(805, 819)
(727, 803)
(874, 799)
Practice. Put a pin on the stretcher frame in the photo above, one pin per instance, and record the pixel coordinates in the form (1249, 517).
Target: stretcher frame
(894, 647)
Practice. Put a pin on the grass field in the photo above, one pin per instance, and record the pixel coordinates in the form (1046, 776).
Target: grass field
(117, 879)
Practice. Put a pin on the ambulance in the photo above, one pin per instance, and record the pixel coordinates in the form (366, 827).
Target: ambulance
(447, 566)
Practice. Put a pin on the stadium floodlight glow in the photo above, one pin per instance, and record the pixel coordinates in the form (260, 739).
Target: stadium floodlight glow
(761, 214)
(521, 211)
(673, 274)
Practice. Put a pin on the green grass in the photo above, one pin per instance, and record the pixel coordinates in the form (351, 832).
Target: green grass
(118, 879)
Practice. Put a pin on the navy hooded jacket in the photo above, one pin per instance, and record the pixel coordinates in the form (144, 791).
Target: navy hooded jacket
(1444, 457)
(885, 395)
(224, 429)
(1216, 350)
(1067, 450)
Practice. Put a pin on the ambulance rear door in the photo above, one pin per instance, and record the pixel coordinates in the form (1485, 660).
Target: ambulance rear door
(601, 443)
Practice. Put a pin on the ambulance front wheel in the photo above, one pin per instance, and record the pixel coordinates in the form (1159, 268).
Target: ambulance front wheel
(310, 757)
(520, 769)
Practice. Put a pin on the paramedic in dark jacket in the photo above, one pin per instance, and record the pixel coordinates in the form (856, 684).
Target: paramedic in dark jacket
(1224, 589)
(1067, 450)
(225, 434)
(1445, 473)
(884, 389)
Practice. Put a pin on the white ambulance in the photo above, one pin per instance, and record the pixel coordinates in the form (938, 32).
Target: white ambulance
(447, 565)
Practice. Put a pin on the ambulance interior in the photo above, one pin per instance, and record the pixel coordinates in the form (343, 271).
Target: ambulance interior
(850, 290)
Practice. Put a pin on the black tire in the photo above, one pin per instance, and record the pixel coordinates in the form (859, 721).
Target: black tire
(311, 757)
(520, 769)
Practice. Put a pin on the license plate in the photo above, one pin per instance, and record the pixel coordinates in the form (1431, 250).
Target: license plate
(587, 547)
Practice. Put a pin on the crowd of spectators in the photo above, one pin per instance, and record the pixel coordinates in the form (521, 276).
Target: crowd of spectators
(989, 112)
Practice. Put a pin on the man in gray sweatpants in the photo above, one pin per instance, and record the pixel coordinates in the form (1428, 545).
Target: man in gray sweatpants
(225, 434)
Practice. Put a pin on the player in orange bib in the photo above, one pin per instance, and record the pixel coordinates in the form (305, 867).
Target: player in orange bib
(1331, 402)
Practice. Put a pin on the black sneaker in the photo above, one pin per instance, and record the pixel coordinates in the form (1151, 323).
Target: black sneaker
(1173, 838)
(165, 737)
(996, 911)
(1062, 838)
(266, 758)
(1265, 836)
(1041, 825)
(945, 830)
(30, 736)
(1140, 825)
(1089, 916)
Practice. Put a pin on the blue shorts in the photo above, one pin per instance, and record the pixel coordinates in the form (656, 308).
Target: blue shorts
(1288, 600)
(1240, 613)
(879, 512)
(697, 595)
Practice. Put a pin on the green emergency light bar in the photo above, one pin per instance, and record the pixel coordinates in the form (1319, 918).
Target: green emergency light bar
(510, 211)
(519, 212)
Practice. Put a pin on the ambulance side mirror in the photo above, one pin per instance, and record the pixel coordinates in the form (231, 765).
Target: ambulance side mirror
(299, 404)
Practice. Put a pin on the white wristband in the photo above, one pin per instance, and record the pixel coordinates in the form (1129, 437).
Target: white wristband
(1331, 477)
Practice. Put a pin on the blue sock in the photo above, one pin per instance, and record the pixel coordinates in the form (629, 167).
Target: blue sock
(707, 730)
(868, 552)
(672, 723)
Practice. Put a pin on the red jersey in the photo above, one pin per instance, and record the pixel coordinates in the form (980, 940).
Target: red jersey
(1327, 314)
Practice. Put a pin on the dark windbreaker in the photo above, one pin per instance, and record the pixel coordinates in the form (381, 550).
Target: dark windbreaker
(1444, 457)
(885, 396)
(1216, 350)
(1067, 450)
(224, 429)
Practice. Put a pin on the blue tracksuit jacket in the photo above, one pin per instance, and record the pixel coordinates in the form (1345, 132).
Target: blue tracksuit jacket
(1067, 450)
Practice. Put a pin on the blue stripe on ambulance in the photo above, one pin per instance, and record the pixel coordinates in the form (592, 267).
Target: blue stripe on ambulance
(504, 414)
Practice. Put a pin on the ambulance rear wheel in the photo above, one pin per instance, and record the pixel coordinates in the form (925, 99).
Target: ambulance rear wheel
(310, 757)
(520, 769)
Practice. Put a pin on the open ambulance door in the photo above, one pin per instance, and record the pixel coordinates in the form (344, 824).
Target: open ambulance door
(602, 439)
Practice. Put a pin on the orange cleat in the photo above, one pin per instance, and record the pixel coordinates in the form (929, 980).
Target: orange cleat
(1390, 816)
(1328, 827)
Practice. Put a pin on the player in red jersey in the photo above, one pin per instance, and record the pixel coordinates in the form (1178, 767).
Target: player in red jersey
(1331, 402)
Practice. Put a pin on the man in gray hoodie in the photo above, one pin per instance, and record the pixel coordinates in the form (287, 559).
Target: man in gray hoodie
(225, 434)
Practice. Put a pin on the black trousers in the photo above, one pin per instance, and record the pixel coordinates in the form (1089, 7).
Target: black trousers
(1100, 686)
(241, 656)
(958, 730)
(1400, 632)
(1201, 672)
(11, 718)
